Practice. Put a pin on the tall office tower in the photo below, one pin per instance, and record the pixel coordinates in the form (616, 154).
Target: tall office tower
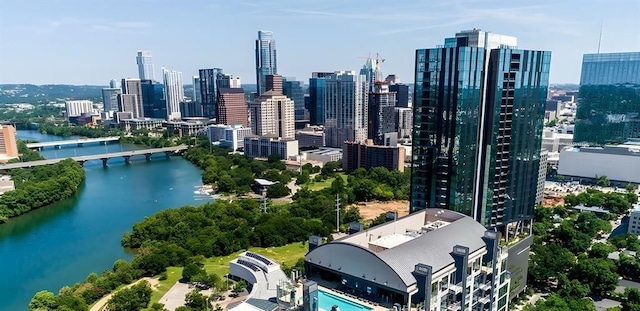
(196, 96)
(208, 90)
(232, 107)
(153, 99)
(132, 87)
(609, 98)
(273, 83)
(266, 63)
(8, 145)
(110, 99)
(369, 71)
(145, 66)
(78, 107)
(382, 117)
(227, 80)
(346, 109)
(295, 91)
(272, 114)
(402, 94)
(114, 84)
(316, 97)
(173, 92)
(392, 79)
(478, 111)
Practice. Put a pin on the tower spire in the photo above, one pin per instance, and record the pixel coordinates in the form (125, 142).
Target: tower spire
(600, 37)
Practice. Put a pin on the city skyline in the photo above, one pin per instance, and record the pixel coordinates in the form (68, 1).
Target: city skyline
(73, 33)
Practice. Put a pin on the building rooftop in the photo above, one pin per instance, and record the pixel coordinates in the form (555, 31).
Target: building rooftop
(324, 151)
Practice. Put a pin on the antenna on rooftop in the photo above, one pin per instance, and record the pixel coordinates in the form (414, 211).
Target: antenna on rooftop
(600, 38)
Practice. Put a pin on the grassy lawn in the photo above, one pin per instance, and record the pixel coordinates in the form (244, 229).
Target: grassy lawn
(173, 275)
(315, 186)
(288, 254)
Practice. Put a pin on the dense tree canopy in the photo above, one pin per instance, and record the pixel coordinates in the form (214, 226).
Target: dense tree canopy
(40, 186)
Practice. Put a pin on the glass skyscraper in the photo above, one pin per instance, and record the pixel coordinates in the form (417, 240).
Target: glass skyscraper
(478, 118)
(609, 98)
(266, 63)
(295, 91)
(208, 90)
(316, 105)
(145, 65)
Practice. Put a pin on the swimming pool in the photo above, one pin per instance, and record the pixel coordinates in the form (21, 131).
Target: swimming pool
(327, 300)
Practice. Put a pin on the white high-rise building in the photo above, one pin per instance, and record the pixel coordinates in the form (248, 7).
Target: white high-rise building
(78, 107)
(227, 80)
(272, 114)
(173, 92)
(114, 84)
(346, 108)
(145, 66)
(197, 96)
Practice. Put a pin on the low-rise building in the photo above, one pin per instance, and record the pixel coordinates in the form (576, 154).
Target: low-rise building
(78, 107)
(441, 258)
(620, 163)
(6, 184)
(367, 155)
(228, 136)
(311, 137)
(8, 145)
(264, 146)
(186, 127)
(129, 125)
(324, 155)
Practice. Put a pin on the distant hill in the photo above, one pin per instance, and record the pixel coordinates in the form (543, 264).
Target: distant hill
(29, 93)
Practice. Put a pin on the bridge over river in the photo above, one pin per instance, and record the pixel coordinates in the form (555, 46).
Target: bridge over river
(102, 156)
(79, 142)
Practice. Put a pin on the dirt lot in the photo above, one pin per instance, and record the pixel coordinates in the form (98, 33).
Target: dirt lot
(371, 210)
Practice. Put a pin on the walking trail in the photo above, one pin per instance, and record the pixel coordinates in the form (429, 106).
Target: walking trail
(103, 301)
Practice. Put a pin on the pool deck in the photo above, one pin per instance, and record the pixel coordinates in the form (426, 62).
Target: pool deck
(331, 291)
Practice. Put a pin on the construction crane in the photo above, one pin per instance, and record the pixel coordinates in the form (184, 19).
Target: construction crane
(379, 60)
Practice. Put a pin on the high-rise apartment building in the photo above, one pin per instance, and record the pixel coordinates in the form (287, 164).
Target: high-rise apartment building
(145, 66)
(135, 106)
(266, 63)
(272, 114)
(110, 99)
(609, 98)
(316, 97)
(173, 92)
(402, 94)
(295, 91)
(382, 118)
(404, 121)
(208, 90)
(196, 96)
(8, 145)
(346, 109)
(479, 105)
(367, 155)
(232, 107)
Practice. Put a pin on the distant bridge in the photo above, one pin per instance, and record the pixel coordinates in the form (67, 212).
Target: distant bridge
(103, 156)
(78, 142)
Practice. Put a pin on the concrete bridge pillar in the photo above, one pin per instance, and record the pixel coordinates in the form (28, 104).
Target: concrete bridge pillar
(80, 144)
(167, 154)
(148, 156)
(56, 147)
(104, 161)
(127, 159)
(81, 162)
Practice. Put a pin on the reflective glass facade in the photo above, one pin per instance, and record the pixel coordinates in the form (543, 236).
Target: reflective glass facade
(295, 91)
(609, 98)
(478, 118)
(266, 63)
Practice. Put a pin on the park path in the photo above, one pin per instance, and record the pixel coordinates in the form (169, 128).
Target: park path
(103, 300)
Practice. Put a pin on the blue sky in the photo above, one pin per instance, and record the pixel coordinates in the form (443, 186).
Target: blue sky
(93, 41)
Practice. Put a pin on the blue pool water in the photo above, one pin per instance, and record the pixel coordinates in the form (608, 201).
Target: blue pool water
(327, 300)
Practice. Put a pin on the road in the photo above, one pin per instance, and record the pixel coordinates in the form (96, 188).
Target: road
(103, 301)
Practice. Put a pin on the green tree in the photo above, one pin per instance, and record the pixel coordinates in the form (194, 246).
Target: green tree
(191, 270)
(239, 286)
(600, 250)
(278, 190)
(133, 298)
(196, 301)
(602, 181)
(599, 274)
(43, 301)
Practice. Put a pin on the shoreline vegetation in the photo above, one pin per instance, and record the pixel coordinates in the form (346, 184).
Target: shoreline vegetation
(193, 235)
(40, 186)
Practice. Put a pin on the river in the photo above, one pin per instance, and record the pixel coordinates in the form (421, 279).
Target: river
(60, 244)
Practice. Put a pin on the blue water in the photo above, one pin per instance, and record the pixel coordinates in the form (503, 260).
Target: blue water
(60, 244)
(327, 300)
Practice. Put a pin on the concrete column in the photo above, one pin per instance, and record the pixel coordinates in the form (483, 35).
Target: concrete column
(148, 156)
(127, 159)
(104, 161)
(56, 147)
(167, 154)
